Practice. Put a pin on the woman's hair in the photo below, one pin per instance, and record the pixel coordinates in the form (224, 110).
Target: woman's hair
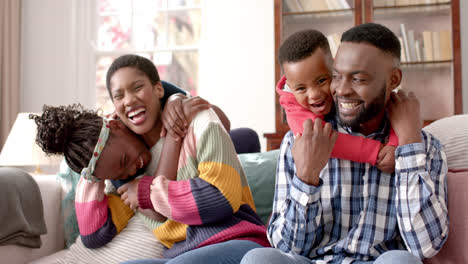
(68, 130)
(143, 64)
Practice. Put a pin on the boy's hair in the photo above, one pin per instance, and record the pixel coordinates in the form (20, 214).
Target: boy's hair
(68, 130)
(301, 45)
(376, 35)
(143, 64)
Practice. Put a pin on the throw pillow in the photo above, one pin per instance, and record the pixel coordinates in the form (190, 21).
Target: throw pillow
(454, 250)
(260, 170)
(452, 132)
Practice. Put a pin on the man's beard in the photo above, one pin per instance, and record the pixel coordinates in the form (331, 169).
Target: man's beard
(366, 113)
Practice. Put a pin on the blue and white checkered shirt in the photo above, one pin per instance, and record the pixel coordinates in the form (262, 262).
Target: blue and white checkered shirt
(358, 211)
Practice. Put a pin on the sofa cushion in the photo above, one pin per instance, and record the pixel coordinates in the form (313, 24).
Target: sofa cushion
(260, 170)
(452, 132)
(454, 250)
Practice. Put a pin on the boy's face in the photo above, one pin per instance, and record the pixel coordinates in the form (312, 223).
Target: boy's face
(309, 80)
(123, 154)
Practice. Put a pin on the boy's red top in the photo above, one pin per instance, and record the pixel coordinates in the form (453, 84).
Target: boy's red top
(347, 146)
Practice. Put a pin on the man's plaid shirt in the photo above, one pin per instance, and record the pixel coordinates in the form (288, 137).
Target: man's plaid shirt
(358, 211)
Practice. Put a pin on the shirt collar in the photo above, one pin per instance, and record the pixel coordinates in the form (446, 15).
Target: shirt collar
(380, 134)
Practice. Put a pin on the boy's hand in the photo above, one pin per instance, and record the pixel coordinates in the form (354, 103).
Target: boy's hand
(179, 112)
(403, 111)
(312, 149)
(129, 194)
(386, 159)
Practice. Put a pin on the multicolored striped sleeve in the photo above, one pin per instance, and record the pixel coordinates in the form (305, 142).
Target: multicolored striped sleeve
(100, 217)
(215, 185)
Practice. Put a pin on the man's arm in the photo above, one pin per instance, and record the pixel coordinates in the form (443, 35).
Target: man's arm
(296, 221)
(420, 179)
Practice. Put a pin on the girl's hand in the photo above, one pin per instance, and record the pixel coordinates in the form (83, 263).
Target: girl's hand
(129, 194)
(179, 112)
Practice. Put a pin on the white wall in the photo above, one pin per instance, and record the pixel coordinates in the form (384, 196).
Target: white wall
(55, 54)
(237, 62)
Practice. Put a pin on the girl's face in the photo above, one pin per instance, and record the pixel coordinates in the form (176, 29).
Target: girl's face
(136, 100)
(123, 154)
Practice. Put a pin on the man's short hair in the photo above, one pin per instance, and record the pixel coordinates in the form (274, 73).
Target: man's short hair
(301, 45)
(376, 35)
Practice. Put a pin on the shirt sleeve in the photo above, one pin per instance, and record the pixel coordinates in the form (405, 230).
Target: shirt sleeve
(421, 181)
(211, 195)
(100, 217)
(296, 222)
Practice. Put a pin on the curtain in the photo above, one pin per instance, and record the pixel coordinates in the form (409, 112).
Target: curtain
(10, 46)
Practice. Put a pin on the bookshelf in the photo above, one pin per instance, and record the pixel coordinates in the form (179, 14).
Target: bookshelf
(434, 76)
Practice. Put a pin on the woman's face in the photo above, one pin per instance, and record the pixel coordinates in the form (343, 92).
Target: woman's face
(136, 100)
(123, 154)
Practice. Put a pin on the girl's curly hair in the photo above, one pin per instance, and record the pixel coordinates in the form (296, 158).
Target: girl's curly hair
(68, 130)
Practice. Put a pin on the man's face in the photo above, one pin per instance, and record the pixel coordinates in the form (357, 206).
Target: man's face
(361, 83)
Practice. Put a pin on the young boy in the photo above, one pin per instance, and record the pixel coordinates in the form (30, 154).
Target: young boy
(304, 91)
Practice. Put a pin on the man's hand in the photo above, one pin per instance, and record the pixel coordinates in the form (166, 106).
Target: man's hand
(179, 112)
(403, 111)
(386, 159)
(312, 149)
(129, 194)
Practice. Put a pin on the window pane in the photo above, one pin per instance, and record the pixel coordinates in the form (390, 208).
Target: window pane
(179, 68)
(184, 27)
(102, 96)
(114, 32)
(182, 3)
(114, 6)
(149, 31)
(145, 6)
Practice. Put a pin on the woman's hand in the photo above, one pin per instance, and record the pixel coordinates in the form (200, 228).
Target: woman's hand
(129, 194)
(179, 112)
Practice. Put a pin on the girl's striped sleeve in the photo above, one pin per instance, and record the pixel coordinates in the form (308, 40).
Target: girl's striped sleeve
(100, 217)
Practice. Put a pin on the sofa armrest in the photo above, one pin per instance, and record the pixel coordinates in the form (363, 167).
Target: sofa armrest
(53, 241)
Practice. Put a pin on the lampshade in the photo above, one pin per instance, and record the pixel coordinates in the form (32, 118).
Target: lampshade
(20, 148)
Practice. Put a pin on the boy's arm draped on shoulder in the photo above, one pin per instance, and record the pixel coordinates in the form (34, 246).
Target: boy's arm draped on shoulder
(100, 217)
(294, 198)
(215, 191)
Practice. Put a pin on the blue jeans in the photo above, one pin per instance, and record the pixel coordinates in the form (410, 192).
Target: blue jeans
(230, 252)
(276, 256)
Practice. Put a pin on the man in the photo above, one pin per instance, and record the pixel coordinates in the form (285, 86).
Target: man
(328, 210)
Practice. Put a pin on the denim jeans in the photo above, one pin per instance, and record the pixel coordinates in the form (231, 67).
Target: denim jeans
(276, 256)
(230, 252)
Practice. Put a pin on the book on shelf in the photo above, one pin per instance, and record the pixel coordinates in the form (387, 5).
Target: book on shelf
(445, 45)
(402, 2)
(436, 45)
(380, 3)
(334, 42)
(390, 3)
(293, 6)
(405, 41)
(427, 43)
(315, 5)
(411, 46)
(417, 48)
(402, 52)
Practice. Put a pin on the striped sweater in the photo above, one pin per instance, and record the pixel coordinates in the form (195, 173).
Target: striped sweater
(210, 203)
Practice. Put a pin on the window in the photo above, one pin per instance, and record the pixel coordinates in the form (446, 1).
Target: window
(165, 31)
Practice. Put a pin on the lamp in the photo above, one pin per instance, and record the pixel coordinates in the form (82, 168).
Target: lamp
(20, 148)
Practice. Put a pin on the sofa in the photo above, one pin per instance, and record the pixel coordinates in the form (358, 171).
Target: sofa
(260, 171)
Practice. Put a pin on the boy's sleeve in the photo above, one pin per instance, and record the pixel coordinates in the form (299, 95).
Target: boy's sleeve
(100, 217)
(355, 148)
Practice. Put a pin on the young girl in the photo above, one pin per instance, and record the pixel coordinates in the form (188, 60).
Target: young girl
(305, 94)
